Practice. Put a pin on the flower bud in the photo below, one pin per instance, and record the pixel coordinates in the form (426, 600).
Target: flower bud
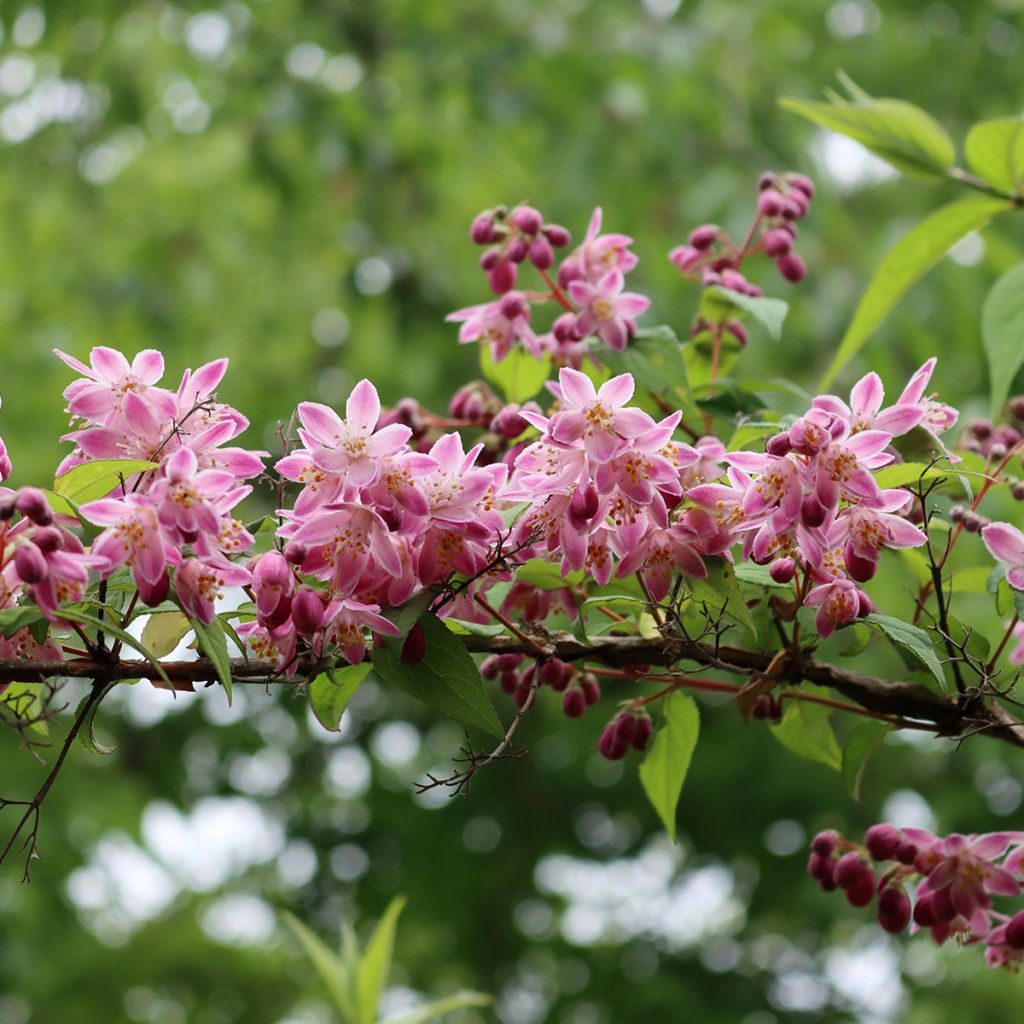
(541, 253)
(862, 891)
(860, 569)
(610, 746)
(883, 841)
(782, 570)
(642, 736)
(765, 180)
(517, 250)
(777, 242)
(295, 552)
(574, 703)
(850, 868)
(1017, 490)
(738, 331)
(1015, 931)
(942, 905)
(820, 866)
(825, 843)
(865, 606)
(791, 267)
(513, 305)
(1017, 407)
(32, 504)
(509, 681)
(482, 229)
(591, 688)
(502, 277)
(894, 909)
(569, 271)
(795, 206)
(924, 913)
(769, 203)
(685, 257)
(307, 611)
(997, 451)
(704, 237)
(762, 708)
(508, 424)
(907, 852)
(802, 183)
(957, 513)
(47, 538)
(812, 512)
(981, 429)
(152, 594)
(625, 727)
(30, 564)
(779, 444)
(557, 235)
(522, 693)
(554, 673)
(527, 219)
(415, 646)
(489, 260)
(7, 507)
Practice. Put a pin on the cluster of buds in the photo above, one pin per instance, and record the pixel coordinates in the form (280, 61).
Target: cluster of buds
(629, 730)
(995, 440)
(767, 707)
(955, 877)
(512, 238)
(579, 690)
(973, 522)
(712, 257)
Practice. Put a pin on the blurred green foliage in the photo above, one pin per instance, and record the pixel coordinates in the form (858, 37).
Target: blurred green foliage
(290, 184)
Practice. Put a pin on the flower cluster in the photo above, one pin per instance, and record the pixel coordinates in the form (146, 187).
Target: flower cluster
(590, 287)
(956, 878)
(810, 504)
(179, 513)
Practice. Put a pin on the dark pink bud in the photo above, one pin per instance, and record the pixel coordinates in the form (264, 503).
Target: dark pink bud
(307, 611)
(734, 280)
(517, 250)
(862, 892)
(509, 681)
(642, 736)
(30, 563)
(564, 328)
(541, 254)
(860, 569)
(685, 257)
(7, 507)
(865, 606)
(482, 229)
(765, 180)
(907, 853)
(894, 909)
(295, 552)
(610, 745)
(527, 219)
(1015, 931)
(1017, 407)
(769, 203)
(591, 688)
(574, 703)
(415, 646)
(569, 271)
(502, 277)
(557, 235)
(812, 512)
(152, 594)
(795, 206)
(924, 912)
(803, 183)
(47, 538)
(850, 868)
(703, 237)
(513, 305)
(738, 331)
(489, 259)
(762, 708)
(522, 693)
(489, 667)
(883, 841)
(583, 506)
(777, 242)
(554, 673)
(820, 866)
(791, 267)
(625, 727)
(779, 444)
(508, 423)
(782, 570)
(942, 905)
(825, 843)
(32, 504)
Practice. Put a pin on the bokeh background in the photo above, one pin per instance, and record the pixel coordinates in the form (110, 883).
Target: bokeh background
(289, 183)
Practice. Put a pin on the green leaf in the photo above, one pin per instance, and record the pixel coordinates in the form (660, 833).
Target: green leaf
(446, 677)
(664, 767)
(721, 592)
(860, 745)
(750, 432)
(25, 701)
(579, 629)
(901, 474)
(758, 575)
(769, 313)
(330, 693)
(655, 358)
(911, 639)
(87, 732)
(376, 962)
(970, 581)
(906, 136)
(805, 730)
(547, 575)
(518, 376)
(912, 256)
(458, 1001)
(1002, 333)
(13, 619)
(857, 637)
(164, 631)
(110, 628)
(214, 645)
(332, 970)
(93, 480)
(995, 152)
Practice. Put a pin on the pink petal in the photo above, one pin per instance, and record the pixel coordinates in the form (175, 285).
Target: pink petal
(866, 396)
(110, 364)
(148, 365)
(577, 388)
(617, 391)
(915, 388)
(1004, 542)
(362, 410)
(322, 422)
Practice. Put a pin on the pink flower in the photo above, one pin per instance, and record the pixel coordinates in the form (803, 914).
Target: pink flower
(1017, 652)
(778, 487)
(457, 490)
(639, 466)
(185, 496)
(53, 565)
(499, 324)
(867, 530)
(345, 621)
(1006, 544)
(133, 536)
(965, 865)
(841, 602)
(199, 582)
(110, 378)
(351, 448)
(600, 254)
(598, 417)
(843, 469)
(865, 409)
(709, 466)
(661, 554)
(607, 310)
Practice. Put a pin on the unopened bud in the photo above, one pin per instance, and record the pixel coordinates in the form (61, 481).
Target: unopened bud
(862, 892)
(502, 277)
(32, 504)
(703, 237)
(825, 843)
(517, 250)
(527, 219)
(415, 646)
(557, 235)
(1015, 931)
(541, 253)
(295, 552)
(894, 909)
(30, 563)
(307, 611)
(482, 229)
(791, 267)
(591, 688)
(883, 841)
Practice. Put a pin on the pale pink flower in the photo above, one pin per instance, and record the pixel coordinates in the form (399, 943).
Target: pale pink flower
(200, 582)
(133, 537)
(499, 325)
(1006, 544)
(110, 378)
(840, 603)
(865, 411)
(345, 621)
(606, 310)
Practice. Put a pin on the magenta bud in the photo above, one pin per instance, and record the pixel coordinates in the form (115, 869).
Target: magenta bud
(1015, 931)
(642, 736)
(820, 866)
(30, 563)
(307, 611)
(490, 667)
(924, 912)
(907, 853)
(568, 271)
(152, 594)
(865, 606)
(541, 253)
(894, 909)
(861, 569)
(415, 646)
(527, 219)
(625, 727)
(812, 512)
(942, 905)
(769, 203)
(7, 507)
(522, 692)
(1017, 407)
(703, 237)
(850, 868)
(482, 229)
(825, 843)
(513, 305)
(583, 504)
(574, 703)
(738, 331)
(883, 841)
(779, 444)
(765, 180)
(32, 504)
(795, 206)
(791, 267)
(489, 260)
(686, 257)
(517, 250)
(591, 688)
(502, 277)
(862, 892)
(564, 328)
(782, 570)
(777, 242)
(802, 183)
(295, 552)
(509, 681)
(557, 235)
(47, 538)
(554, 673)
(508, 424)
(762, 707)
(735, 281)
(610, 746)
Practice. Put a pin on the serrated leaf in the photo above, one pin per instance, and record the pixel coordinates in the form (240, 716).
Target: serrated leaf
(806, 731)
(909, 259)
(912, 639)
(332, 970)
(995, 152)
(164, 631)
(92, 480)
(860, 745)
(906, 136)
(214, 645)
(330, 693)
(664, 767)
(519, 376)
(1002, 333)
(376, 962)
(446, 677)
(768, 312)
